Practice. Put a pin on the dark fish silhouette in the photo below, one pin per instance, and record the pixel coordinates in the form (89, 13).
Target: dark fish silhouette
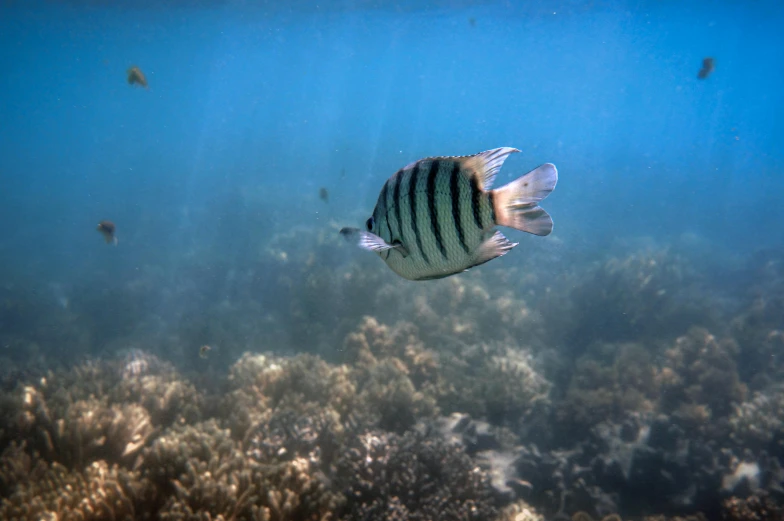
(136, 77)
(204, 351)
(107, 229)
(323, 194)
(437, 216)
(708, 64)
(472, 21)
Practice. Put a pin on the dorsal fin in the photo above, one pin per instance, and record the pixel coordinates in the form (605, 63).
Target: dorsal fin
(486, 164)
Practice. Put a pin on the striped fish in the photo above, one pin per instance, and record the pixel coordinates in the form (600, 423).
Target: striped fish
(437, 216)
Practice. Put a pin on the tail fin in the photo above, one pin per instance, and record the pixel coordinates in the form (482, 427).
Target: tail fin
(516, 204)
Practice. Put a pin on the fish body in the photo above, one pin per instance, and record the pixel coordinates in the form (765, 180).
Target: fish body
(708, 65)
(324, 194)
(136, 77)
(107, 229)
(437, 216)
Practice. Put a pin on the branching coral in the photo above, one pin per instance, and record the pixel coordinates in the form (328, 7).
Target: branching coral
(402, 380)
(263, 382)
(602, 390)
(98, 493)
(158, 387)
(758, 423)
(760, 333)
(511, 386)
(92, 430)
(137, 379)
(652, 293)
(389, 398)
(207, 476)
(379, 392)
(85, 431)
(415, 477)
(754, 508)
(495, 382)
(520, 511)
(17, 466)
(372, 342)
(284, 434)
(700, 380)
(182, 446)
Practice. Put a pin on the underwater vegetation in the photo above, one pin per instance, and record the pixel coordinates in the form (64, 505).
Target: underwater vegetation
(626, 389)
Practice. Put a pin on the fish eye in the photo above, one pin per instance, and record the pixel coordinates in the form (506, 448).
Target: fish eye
(369, 224)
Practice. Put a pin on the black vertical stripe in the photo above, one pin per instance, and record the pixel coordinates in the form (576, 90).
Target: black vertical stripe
(454, 185)
(431, 205)
(396, 202)
(412, 183)
(476, 194)
(490, 197)
(386, 209)
(393, 232)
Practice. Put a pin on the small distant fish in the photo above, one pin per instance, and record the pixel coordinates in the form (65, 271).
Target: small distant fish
(437, 216)
(204, 351)
(324, 194)
(472, 21)
(136, 363)
(708, 64)
(107, 229)
(136, 77)
(342, 173)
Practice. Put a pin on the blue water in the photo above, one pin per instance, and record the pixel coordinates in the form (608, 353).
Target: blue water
(251, 109)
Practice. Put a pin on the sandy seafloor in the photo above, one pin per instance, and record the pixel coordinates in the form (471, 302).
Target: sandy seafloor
(645, 384)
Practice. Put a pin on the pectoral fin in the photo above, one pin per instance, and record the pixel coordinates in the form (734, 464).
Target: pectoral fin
(370, 241)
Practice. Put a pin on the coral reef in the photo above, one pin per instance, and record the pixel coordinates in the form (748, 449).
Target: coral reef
(608, 382)
(202, 471)
(83, 432)
(484, 380)
(391, 400)
(159, 388)
(520, 511)
(753, 508)
(99, 492)
(99, 410)
(759, 331)
(515, 394)
(758, 423)
(261, 382)
(645, 464)
(653, 293)
(700, 380)
(414, 476)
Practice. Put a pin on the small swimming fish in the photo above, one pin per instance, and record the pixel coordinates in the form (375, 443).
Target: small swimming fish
(436, 217)
(107, 229)
(708, 64)
(204, 351)
(136, 77)
(324, 194)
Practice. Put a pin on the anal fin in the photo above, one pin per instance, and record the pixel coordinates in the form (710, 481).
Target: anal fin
(494, 246)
